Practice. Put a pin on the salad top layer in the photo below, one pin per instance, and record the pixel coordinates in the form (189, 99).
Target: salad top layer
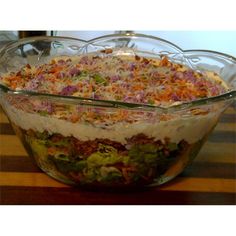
(106, 76)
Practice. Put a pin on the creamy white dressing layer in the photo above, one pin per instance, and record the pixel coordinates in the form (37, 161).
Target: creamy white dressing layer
(191, 129)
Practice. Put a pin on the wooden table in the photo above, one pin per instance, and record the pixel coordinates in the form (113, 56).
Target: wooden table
(210, 180)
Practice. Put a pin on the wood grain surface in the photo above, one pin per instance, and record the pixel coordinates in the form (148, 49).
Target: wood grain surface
(211, 179)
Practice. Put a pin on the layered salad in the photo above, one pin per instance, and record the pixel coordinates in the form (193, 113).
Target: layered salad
(109, 146)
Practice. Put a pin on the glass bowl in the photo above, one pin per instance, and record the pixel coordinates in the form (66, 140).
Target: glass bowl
(147, 145)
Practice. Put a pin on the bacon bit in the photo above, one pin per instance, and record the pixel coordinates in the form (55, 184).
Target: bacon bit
(137, 58)
(145, 61)
(138, 87)
(28, 66)
(74, 118)
(55, 69)
(53, 62)
(96, 57)
(164, 61)
(18, 73)
(107, 51)
(51, 150)
(14, 84)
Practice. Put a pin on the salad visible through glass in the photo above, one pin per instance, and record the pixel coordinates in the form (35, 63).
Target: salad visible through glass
(100, 146)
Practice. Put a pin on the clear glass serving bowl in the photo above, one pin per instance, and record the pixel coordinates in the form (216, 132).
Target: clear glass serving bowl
(146, 146)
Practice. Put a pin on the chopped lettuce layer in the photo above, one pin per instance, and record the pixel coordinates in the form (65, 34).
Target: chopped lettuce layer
(142, 162)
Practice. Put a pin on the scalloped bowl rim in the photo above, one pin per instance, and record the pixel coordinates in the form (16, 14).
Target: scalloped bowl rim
(116, 104)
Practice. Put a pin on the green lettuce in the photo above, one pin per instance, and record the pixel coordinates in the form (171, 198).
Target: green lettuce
(64, 164)
(38, 147)
(106, 165)
(106, 155)
(99, 79)
(144, 154)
